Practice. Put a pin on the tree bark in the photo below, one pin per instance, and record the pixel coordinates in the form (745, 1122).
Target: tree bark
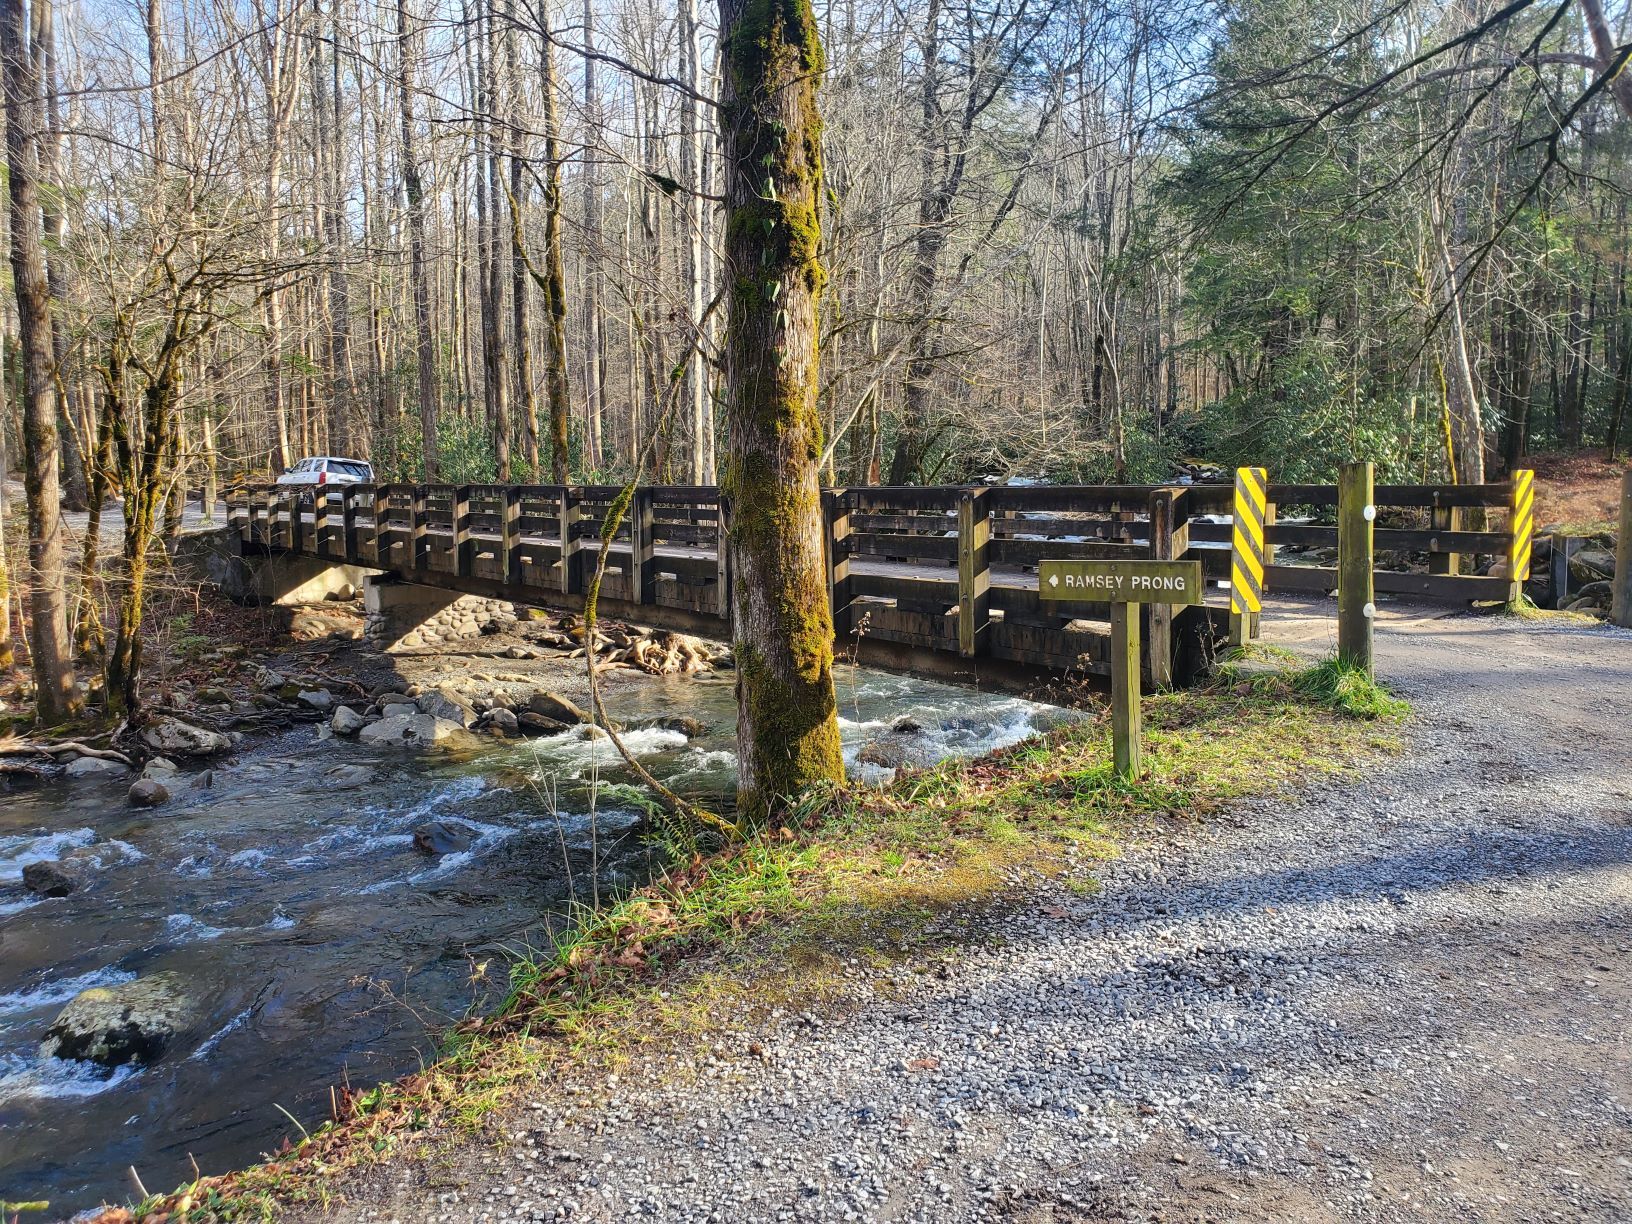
(57, 697)
(557, 389)
(787, 725)
(415, 193)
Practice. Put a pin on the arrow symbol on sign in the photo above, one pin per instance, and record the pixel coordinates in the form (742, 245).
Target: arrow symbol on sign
(1053, 580)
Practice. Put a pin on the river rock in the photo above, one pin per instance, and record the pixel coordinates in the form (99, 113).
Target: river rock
(94, 767)
(1598, 592)
(147, 792)
(411, 731)
(172, 737)
(502, 721)
(443, 837)
(56, 879)
(529, 723)
(440, 704)
(906, 725)
(348, 777)
(553, 705)
(386, 700)
(159, 769)
(320, 700)
(346, 721)
(1592, 565)
(134, 1022)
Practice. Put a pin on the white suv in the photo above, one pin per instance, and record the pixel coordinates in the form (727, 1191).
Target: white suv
(323, 470)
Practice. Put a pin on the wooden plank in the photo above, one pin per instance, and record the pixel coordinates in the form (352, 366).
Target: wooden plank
(917, 548)
(836, 543)
(941, 595)
(1005, 551)
(974, 571)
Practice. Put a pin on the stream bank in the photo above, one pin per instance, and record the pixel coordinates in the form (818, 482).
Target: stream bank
(283, 895)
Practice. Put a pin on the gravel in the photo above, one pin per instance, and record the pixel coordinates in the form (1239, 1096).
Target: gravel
(1404, 997)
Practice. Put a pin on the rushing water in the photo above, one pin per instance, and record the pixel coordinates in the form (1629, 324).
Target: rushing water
(322, 946)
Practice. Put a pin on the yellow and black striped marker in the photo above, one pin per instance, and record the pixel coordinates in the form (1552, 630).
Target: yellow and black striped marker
(1523, 528)
(1247, 541)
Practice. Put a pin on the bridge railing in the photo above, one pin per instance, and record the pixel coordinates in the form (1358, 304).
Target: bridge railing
(950, 569)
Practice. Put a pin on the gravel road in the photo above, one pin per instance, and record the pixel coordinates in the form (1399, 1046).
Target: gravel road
(1403, 1000)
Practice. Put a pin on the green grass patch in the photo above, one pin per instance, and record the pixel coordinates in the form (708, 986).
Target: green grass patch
(872, 874)
(1523, 609)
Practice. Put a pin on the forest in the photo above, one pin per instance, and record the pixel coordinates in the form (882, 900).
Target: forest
(471, 240)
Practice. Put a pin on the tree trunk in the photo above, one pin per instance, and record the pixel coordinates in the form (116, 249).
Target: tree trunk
(594, 376)
(557, 389)
(787, 725)
(415, 192)
(56, 695)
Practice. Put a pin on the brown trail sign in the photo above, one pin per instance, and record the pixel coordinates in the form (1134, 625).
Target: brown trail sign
(1124, 585)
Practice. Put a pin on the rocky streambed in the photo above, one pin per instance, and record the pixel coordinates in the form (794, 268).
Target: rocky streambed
(186, 966)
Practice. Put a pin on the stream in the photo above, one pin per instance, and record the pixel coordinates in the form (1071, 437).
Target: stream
(322, 947)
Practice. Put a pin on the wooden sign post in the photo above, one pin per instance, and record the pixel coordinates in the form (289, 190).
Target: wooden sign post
(1124, 585)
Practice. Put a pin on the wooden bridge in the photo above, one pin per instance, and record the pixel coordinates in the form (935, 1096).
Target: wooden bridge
(939, 578)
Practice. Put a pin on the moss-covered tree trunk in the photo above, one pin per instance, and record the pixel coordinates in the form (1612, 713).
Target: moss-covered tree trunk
(787, 728)
(56, 694)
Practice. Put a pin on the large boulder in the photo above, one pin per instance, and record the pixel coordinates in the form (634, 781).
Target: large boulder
(113, 1025)
(444, 837)
(501, 721)
(172, 737)
(554, 706)
(320, 701)
(412, 731)
(94, 767)
(56, 879)
(1592, 565)
(448, 706)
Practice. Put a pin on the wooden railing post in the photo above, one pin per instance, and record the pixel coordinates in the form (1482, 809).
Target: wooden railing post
(320, 519)
(1159, 643)
(569, 545)
(510, 536)
(836, 543)
(348, 523)
(1521, 526)
(464, 548)
(1446, 518)
(1356, 609)
(1620, 610)
(640, 548)
(974, 572)
(289, 519)
(269, 517)
(418, 528)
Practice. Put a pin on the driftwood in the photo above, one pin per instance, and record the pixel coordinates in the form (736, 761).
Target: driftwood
(13, 745)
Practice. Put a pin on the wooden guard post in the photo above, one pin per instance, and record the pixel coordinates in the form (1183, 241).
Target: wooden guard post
(1356, 594)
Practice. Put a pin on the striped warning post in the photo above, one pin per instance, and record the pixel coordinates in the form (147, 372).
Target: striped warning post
(1247, 540)
(1522, 526)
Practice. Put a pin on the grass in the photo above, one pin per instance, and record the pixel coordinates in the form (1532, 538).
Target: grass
(1523, 608)
(873, 875)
